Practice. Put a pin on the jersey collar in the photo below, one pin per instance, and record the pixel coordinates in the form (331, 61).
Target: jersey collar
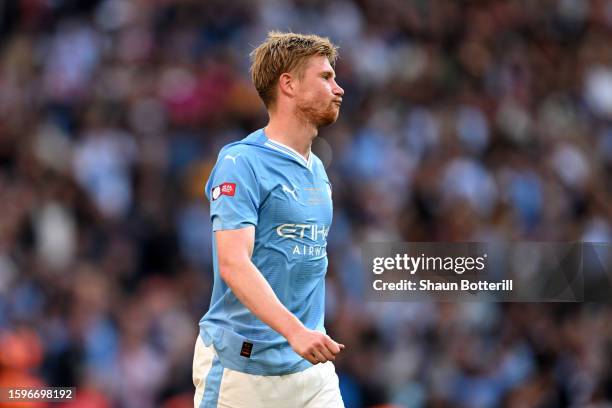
(283, 148)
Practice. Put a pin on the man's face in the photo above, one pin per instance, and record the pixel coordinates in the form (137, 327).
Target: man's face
(319, 96)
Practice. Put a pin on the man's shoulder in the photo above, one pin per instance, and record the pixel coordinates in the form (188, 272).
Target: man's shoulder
(316, 160)
(249, 149)
(238, 148)
(319, 165)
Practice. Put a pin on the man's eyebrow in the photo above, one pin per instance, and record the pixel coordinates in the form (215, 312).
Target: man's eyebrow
(328, 72)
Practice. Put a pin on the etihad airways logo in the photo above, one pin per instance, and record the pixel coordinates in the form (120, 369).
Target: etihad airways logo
(312, 231)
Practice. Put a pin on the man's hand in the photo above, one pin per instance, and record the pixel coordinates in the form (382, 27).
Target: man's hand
(314, 346)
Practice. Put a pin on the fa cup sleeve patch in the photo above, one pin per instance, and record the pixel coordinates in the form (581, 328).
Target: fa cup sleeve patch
(228, 189)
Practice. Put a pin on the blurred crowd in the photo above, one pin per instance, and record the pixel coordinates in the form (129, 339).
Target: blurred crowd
(462, 121)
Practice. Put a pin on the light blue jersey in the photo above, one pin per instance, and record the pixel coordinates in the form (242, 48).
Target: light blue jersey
(259, 182)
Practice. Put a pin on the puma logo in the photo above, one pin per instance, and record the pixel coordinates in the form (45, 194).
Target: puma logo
(232, 158)
(292, 192)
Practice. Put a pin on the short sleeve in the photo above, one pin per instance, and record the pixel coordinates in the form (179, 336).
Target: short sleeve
(233, 192)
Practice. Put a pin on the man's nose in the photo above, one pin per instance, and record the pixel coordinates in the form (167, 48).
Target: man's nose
(338, 90)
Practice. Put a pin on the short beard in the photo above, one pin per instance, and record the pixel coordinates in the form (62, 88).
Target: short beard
(318, 117)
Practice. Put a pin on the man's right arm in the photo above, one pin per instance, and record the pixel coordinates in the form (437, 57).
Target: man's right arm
(234, 251)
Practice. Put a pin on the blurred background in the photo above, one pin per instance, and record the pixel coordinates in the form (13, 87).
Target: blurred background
(462, 121)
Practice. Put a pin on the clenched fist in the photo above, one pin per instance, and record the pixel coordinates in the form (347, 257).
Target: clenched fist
(314, 346)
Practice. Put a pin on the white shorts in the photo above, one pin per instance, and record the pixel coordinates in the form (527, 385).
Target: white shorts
(217, 386)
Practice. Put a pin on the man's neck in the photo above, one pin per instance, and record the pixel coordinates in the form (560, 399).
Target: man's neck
(291, 132)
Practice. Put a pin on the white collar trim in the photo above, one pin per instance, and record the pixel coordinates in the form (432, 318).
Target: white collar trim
(275, 145)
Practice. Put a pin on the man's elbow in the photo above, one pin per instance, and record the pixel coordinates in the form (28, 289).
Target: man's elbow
(230, 268)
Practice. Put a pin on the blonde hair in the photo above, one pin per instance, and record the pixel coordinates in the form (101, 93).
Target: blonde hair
(285, 52)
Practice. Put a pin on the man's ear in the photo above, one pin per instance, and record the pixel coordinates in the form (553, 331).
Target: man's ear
(287, 84)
